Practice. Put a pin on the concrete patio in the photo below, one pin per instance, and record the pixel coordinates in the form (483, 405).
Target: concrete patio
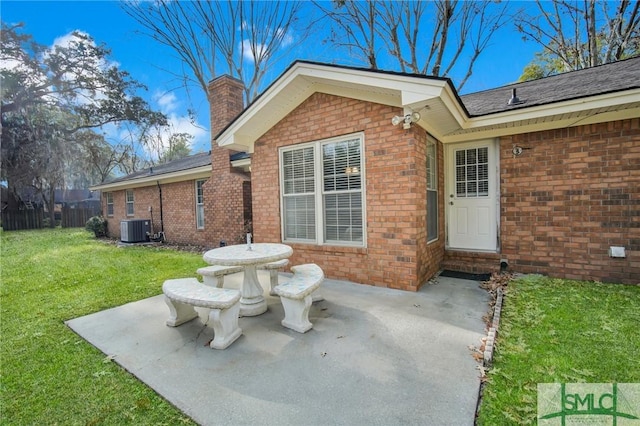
(375, 356)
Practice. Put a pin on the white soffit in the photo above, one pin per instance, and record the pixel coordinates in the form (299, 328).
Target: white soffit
(442, 113)
(596, 109)
(304, 79)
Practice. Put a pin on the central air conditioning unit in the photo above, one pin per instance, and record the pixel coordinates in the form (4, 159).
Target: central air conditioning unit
(135, 231)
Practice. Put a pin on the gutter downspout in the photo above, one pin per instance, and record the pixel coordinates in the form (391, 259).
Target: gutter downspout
(161, 216)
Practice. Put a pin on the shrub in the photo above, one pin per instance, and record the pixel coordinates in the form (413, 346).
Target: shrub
(97, 224)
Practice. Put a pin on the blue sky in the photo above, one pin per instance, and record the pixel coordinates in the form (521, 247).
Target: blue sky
(147, 61)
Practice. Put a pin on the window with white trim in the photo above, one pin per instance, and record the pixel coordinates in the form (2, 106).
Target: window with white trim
(322, 192)
(472, 172)
(109, 197)
(199, 204)
(432, 190)
(129, 201)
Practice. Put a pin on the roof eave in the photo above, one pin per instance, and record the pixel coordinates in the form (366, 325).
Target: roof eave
(413, 93)
(153, 179)
(591, 110)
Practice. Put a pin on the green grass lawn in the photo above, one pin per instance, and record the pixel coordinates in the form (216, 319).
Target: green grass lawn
(559, 331)
(551, 331)
(49, 374)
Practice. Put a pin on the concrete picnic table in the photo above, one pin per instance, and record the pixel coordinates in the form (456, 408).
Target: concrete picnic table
(249, 256)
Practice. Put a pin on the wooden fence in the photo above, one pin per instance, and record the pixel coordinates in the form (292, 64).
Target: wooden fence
(77, 218)
(13, 220)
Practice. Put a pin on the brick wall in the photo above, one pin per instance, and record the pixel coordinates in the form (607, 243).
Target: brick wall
(178, 211)
(143, 198)
(569, 197)
(225, 193)
(394, 161)
(430, 255)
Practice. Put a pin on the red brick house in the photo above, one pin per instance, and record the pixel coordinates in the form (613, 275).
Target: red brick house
(203, 199)
(386, 178)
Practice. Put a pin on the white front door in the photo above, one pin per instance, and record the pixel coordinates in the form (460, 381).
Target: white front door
(471, 197)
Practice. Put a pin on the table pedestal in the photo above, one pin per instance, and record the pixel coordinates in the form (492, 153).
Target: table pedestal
(252, 302)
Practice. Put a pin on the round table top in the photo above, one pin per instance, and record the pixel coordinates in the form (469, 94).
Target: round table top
(239, 254)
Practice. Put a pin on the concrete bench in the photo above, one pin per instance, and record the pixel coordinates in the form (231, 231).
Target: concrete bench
(181, 295)
(214, 275)
(274, 268)
(295, 295)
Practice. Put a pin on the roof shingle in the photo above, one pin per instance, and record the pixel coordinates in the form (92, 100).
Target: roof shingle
(186, 163)
(608, 78)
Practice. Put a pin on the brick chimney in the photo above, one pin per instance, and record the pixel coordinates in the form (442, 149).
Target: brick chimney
(226, 101)
(225, 193)
(225, 104)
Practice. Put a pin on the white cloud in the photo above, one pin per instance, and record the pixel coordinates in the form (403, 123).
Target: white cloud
(167, 101)
(183, 124)
(250, 53)
(287, 39)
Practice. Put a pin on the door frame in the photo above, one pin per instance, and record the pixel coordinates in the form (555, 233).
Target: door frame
(449, 181)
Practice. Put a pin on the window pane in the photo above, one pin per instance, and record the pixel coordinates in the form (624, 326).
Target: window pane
(343, 217)
(432, 189)
(200, 216)
(432, 215)
(341, 165)
(472, 172)
(300, 217)
(109, 196)
(199, 192)
(432, 181)
(129, 202)
(298, 171)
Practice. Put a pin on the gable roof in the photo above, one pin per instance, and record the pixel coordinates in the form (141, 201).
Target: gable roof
(303, 78)
(587, 96)
(604, 79)
(192, 167)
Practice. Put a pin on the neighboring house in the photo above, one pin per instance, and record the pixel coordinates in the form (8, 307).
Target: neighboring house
(76, 199)
(386, 178)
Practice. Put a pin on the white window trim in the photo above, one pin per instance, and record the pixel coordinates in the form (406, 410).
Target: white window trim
(197, 205)
(319, 191)
(127, 202)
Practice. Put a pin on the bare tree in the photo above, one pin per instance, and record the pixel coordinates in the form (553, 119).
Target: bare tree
(242, 38)
(582, 34)
(417, 36)
(355, 26)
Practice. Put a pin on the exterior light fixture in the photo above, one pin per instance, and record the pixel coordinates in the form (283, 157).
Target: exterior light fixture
(406, 120)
